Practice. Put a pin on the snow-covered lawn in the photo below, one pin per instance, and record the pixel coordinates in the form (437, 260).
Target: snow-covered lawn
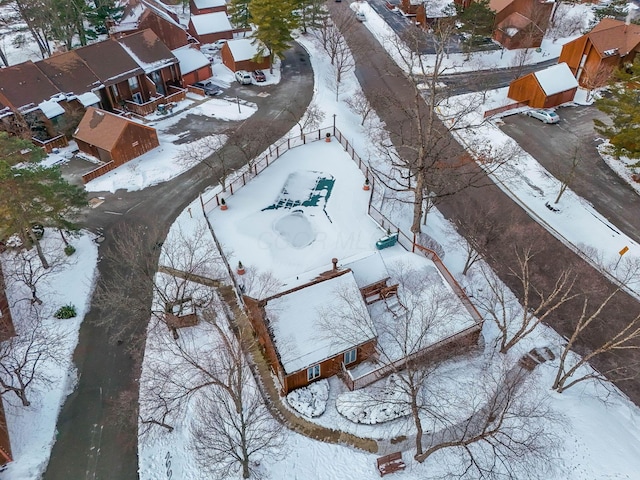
(33, 429)
(600, 433)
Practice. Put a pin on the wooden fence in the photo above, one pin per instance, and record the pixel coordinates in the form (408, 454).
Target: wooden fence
(408, 241)
(504, 108)
(176, 94)
(56, 142)
(95, 173)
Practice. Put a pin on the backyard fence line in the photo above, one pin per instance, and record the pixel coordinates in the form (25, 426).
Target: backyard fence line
(408, 242)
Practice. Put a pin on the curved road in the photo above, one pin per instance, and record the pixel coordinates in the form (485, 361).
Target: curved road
(91, 444)
(378, 73)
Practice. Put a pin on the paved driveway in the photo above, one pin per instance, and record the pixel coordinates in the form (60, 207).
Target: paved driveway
(554, 146)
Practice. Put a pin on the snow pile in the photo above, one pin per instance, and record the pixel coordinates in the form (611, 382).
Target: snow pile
(375, 407)
(310, 401)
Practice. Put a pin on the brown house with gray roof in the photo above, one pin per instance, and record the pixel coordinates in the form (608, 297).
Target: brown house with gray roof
(112, 139)
(594, 56)
(520, 23)
(46, 100)
(139, 15)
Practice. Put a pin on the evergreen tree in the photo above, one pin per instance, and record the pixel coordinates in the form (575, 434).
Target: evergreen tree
(617, 9)
(14, 150)
(622, 104)
(275, 21)
(35, 194)
(239, 13)
(476, 22)
(98, 14)
(311, 14)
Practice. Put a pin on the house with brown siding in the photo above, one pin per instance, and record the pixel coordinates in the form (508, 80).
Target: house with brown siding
(139, 15)
(210, 27)
(30, 100)
(520, 23)
(595, 55)
(200, 7)
(194, 65)
(112, 139)
(5, 443)
(546, 88)
(7, 329)
(240, 54)
(290, 329)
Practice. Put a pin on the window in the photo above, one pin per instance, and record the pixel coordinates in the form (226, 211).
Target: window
(313, 372)
(137, 98)
(133, 83)
(350, 356)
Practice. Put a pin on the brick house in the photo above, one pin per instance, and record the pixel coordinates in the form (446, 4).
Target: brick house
(595, 55)
(240, 54)
(194, 65)
(139, 15)
(289, 329)
(520, 23)
(546, 88)
(209, 27)
(112, 139)
(201, 7)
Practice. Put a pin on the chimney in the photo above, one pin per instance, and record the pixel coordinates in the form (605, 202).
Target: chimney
(335, 264)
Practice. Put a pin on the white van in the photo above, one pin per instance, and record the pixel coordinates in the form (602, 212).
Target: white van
(243, 77)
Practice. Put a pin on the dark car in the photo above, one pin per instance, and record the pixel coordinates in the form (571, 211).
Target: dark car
(210, 89)
(259, 76)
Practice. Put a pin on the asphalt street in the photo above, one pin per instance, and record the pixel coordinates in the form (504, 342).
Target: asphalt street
(91, 444)
(554, 147)
(377, 73)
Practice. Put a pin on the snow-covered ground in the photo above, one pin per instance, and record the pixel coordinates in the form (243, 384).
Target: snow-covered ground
(600, 436)
(32, 429)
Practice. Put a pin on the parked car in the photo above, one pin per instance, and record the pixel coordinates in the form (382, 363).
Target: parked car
(360, 16)
(210, 89)
(218, 44)
(259, 76)
(243, 77)
(546, 116)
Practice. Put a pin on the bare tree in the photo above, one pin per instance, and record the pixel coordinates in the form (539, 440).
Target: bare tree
(567, 169)
(476, 223)
(422, 156)
(25, 359)
(311, 119)
(188, 265)
(404, 332)
(234, 429)
(206, 369)
(210, 152)
(506, 434)
(574, 368)
(514, 320)
(359, 105)
(26, 268)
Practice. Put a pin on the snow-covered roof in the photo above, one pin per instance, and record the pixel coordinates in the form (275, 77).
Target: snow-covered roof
(211, 23)
(50, 108)
(368, 270)
(202, 4)
(88, 99)
(438, 8)
(191, 59)
(296, 318)
(244, 49)
(556, 79)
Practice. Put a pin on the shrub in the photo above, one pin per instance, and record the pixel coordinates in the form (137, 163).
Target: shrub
(69, 250)
(67, 311)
